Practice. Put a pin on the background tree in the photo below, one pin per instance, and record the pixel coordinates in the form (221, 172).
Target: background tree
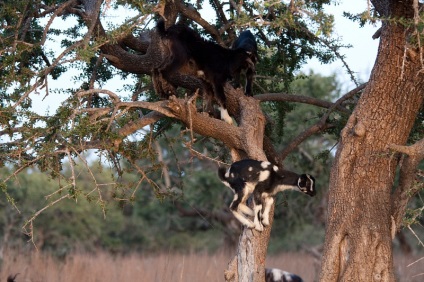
(122, 129)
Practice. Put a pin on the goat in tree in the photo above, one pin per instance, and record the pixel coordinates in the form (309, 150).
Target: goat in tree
(247, 42)
(264, 181)
(212, 63)
(278, 275)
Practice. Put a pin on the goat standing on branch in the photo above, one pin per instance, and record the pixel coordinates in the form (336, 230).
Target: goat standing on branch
(212, 63)
(264, 181)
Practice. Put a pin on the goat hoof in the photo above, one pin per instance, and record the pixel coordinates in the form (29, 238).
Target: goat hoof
(259, 228)
(251, 226)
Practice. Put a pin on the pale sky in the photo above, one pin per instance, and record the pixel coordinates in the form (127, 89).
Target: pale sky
(361, 56)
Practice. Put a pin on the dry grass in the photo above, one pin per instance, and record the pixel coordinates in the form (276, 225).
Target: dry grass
(38, 267)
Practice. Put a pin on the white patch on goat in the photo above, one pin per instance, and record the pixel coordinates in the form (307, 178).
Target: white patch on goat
(263, 175)
(287, 276)
(268, 203)
(265, 164)
(227, 184)
(312, 182)
(246, 210)
(304, 189)
(250, 187)
(256, 221)
(283, 187)
(275, 168)
(227, 174)
(232, 175)
(250, 168)
(201, 74)
(277, 274)
(225, 116)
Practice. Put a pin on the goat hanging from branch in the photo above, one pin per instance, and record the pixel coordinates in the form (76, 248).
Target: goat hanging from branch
(264, 181)
(193, 55)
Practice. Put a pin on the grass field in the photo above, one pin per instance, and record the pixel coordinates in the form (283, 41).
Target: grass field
(38, 267)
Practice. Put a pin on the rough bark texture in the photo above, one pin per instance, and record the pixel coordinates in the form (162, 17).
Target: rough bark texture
(359, 211)
(249, 262)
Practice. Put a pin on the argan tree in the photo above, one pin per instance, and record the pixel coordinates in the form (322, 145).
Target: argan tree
(121, 127)
(366, 208)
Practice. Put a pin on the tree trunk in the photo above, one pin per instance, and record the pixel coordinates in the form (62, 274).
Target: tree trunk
(358, 243)
(249, 263)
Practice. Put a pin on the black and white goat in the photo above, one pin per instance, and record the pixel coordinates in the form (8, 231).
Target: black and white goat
(247, 42)
(278, 275)
(12, 278)
(212, 63)
(264, 181)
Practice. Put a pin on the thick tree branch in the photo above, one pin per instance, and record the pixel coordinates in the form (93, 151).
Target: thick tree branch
(408, 186)
(382, 7)
(140, 43)
(156, 54)
(204, 125)
(143, 121)
(130, 62)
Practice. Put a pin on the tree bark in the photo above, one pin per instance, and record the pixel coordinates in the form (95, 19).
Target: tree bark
(249, 262)
(358, 243)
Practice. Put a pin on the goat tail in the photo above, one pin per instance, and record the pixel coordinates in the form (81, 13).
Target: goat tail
(160, 27)
(221, 173)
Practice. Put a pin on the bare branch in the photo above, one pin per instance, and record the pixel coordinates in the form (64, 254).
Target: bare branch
(415, 150)
(407, 187)
(299, 99)
(320, 125)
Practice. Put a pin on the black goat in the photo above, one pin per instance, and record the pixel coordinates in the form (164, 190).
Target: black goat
(278, 275)
(264, 181)
(212, 63)
(247, 42)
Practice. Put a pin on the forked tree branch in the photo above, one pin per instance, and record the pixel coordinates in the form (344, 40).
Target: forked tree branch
(321, 125)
